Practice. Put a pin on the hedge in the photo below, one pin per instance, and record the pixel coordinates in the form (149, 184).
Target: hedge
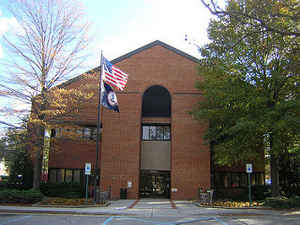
(283, 202)
(258, 192)
(63, 190)
(20, 196)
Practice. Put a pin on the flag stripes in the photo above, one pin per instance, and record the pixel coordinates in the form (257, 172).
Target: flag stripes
(113, 75)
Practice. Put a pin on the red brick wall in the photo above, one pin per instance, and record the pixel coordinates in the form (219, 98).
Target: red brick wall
(121, 145)
(190, 155)
(121, 140)
(71, 153)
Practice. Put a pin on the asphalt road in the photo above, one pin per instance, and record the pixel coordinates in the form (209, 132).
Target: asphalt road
(236, 219)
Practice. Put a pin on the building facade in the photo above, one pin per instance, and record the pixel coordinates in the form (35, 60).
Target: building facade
(153, 147)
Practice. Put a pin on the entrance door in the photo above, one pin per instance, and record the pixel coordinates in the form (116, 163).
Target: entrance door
(154, 184)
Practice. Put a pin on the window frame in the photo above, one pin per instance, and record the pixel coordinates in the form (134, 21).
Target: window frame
(165, 128)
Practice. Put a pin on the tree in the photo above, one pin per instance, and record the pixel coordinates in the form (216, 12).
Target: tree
(47, 49)
(18, 158)
(289, 170)
(280, 17)
(250, 82)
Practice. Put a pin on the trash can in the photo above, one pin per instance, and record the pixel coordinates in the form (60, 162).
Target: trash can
(97, 196)
(123, 193)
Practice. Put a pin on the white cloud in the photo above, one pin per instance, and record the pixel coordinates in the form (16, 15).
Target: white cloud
(7, 24)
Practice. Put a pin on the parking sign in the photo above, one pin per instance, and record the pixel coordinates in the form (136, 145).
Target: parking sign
(88, 168)
(249, 168)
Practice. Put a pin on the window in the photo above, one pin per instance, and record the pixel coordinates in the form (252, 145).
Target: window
(160, 133)
(52, 176)
(88, 133)
(93, 135)
(60, 175)
(56, 132)
(66, 175)
(146, 133)
(76, 175)
(156, 102)
(236, 179)
(152, 132)
(167, 133)
(156, 133)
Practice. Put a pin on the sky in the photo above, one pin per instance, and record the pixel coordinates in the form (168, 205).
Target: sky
(121, 26)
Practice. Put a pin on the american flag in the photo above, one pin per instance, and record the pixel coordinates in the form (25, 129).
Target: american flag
(113, 75)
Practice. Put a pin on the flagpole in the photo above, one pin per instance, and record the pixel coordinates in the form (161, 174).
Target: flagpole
(98, 145)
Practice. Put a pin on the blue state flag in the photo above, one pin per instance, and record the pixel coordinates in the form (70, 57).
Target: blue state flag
(109, 98)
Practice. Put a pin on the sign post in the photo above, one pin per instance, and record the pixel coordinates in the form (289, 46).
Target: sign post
(87, 172)
(249, 170)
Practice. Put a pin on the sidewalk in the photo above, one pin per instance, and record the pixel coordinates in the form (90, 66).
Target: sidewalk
(118, 207)
(145, 208)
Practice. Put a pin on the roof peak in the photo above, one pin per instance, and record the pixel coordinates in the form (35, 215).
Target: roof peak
(129, 54)
(150, 45)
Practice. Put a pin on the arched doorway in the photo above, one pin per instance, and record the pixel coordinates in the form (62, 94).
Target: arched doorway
(155, 143)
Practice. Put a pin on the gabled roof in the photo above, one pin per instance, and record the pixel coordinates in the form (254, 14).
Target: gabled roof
(152, 44)
(121, 58)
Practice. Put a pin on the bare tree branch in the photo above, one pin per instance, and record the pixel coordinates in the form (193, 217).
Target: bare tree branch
(48, 48)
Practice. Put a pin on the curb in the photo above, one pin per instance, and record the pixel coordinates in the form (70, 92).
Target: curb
(63, 212)
(72, 206)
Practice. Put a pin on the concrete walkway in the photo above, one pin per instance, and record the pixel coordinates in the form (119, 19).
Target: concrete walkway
(145, 208)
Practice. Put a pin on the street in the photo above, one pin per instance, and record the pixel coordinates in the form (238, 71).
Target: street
(38, 219)
(145, 212)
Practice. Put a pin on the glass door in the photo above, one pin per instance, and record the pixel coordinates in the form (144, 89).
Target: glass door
(155, 184)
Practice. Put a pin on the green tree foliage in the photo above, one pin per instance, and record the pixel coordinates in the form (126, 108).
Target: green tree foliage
(276, 16)
(18, 158)
(289, 170)
(250, 82)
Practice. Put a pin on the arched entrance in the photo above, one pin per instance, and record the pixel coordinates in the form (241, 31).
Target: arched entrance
(156, 143)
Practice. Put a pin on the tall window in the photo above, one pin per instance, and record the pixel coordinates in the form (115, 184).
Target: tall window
(156, 102)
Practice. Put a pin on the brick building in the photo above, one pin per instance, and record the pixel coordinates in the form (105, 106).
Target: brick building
(153, 147)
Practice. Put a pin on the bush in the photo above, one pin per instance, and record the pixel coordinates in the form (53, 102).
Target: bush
(283, 202)
(63, 190)
(18, 196)
(238, 194)
(19, 186)
(260, 192)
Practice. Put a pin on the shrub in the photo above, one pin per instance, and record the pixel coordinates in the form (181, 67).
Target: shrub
(63, 190)
(283, 202)
(260, 192)
(239, 194)
(19, 186)
(19, 196)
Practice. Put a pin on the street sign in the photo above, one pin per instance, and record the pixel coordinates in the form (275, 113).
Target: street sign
(88, 168)
(249, 168)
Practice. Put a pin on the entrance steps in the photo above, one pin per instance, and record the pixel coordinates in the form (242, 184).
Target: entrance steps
(155, 203)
